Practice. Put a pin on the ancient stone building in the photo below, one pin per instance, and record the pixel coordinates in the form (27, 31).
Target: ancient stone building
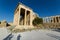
(52, 21)
(23, 17)
(3, 23)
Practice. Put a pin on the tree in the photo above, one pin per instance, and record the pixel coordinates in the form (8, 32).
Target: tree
(37, 21)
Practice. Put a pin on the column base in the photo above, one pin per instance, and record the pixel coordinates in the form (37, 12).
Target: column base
(24, 27)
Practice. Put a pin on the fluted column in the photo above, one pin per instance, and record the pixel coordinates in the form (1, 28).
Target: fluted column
(19, 16)
(43, 20)
(55, 20)
(51, 19)
(58, 19)
(25, 17)
(30, 17)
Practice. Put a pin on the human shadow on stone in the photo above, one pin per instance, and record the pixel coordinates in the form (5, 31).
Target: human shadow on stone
(54, 36)
(18, 37)
(8, 37)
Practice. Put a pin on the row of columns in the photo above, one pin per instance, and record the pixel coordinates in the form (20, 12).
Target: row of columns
(25, 18)
(17, 16)
(52, 19)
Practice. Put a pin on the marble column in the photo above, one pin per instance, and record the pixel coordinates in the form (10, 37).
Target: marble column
(51, 19)
(31, 17)
(43, 20)
(19, 16)
(25, 17)
(58, 19)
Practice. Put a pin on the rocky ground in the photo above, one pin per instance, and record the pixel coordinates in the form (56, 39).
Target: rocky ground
(30, 35)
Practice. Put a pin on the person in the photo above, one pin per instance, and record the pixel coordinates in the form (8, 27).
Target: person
(18, 37)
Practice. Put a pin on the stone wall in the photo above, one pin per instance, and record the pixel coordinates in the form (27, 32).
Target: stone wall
(3, 24)
(51, 25)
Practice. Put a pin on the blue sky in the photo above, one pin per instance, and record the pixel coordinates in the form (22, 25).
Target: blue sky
(42, 7)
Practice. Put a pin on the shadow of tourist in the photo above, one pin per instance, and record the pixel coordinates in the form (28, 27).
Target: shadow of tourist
(18, 37)
(8, 37)
(54, 36)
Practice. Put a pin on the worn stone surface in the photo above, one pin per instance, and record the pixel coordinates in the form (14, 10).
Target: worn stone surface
(31, 35)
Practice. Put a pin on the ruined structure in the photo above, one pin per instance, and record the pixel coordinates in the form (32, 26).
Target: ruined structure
(52, 22)
(3, 23)
(23, 17)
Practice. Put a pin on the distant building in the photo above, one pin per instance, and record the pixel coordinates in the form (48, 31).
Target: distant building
(52, 21)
